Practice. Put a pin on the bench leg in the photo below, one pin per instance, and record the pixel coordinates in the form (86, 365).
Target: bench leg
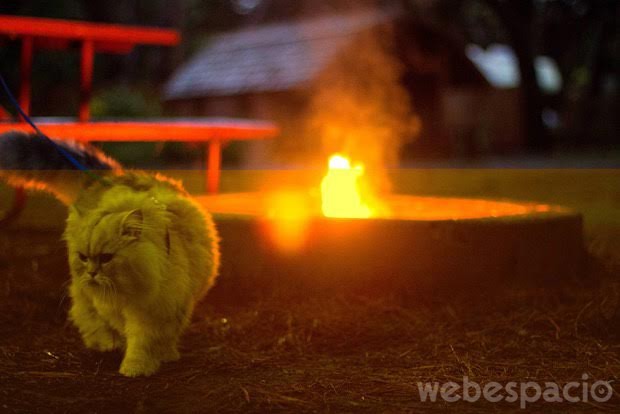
(19, 202)
(214, 161)
(87, 58)
(25, 68)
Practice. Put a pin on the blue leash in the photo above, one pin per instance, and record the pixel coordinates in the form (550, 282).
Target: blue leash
(59, 148)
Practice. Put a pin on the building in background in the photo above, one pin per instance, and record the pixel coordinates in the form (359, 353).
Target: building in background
(269, 72)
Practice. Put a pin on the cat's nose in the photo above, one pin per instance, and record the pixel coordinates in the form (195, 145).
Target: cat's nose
(92, 274)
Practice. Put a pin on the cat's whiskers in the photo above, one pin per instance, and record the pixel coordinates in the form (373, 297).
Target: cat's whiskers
(64, 295)
(65, 292)
(62, 300)
(113, 288)
(83, 280)
(109, 289)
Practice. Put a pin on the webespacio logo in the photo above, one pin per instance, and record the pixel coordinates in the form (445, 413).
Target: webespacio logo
(512, 392)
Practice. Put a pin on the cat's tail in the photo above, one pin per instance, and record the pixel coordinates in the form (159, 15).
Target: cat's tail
(34, 162)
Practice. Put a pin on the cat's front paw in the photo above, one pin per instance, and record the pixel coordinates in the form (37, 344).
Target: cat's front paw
(103, 341)
(135, 367)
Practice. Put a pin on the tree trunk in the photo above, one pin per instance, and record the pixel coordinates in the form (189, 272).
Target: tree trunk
(517, 18)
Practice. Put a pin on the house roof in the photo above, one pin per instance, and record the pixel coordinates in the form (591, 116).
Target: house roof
(273, 57)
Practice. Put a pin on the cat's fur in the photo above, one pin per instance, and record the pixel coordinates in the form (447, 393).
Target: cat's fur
(141, 251)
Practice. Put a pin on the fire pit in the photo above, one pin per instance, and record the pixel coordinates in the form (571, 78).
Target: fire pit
(283, 240)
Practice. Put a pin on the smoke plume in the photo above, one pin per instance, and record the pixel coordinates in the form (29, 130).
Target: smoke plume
(360, 108)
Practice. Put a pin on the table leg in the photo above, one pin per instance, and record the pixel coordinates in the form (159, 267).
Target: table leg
(86, 78)
(214, 161)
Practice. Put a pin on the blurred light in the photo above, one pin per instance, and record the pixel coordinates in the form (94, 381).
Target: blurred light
(550, 118)
(245, 6)
(548, 74)
(500, 66)
(288, 213)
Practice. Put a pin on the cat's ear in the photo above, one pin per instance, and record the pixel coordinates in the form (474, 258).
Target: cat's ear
(131, 225)
(75, 210)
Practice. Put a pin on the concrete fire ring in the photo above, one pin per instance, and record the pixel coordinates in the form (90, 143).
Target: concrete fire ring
(538, 244)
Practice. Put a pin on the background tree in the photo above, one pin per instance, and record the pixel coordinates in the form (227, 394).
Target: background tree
(581, 36)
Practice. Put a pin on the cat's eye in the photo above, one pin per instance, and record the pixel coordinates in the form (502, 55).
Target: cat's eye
(82, 257)
(105, 257)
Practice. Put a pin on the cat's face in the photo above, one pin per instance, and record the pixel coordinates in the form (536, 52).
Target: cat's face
(106, 252)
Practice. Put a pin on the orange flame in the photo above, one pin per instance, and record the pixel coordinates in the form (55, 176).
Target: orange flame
(340, 193)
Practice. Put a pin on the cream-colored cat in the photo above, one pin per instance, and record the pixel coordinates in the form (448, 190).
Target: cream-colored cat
(141, 253)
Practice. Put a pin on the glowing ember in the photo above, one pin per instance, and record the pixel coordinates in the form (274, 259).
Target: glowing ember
(288, 214)
(340, 192)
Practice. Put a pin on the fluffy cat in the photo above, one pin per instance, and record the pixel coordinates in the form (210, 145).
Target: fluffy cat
(141, 251)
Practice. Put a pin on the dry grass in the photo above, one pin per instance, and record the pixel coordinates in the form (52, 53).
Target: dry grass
(339, 354)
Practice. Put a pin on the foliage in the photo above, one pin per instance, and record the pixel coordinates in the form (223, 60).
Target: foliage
(122, 101)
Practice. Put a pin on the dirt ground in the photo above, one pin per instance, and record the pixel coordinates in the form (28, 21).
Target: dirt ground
(315, 354)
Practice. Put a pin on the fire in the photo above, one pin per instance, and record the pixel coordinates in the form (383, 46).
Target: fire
(288, 215)
(340, 192)
(290, 212)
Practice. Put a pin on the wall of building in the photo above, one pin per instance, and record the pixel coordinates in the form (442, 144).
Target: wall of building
(480, 122)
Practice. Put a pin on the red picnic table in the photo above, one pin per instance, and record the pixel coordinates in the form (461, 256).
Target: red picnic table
(90, 38)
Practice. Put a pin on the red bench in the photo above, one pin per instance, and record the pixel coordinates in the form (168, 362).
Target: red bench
(39, 33)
